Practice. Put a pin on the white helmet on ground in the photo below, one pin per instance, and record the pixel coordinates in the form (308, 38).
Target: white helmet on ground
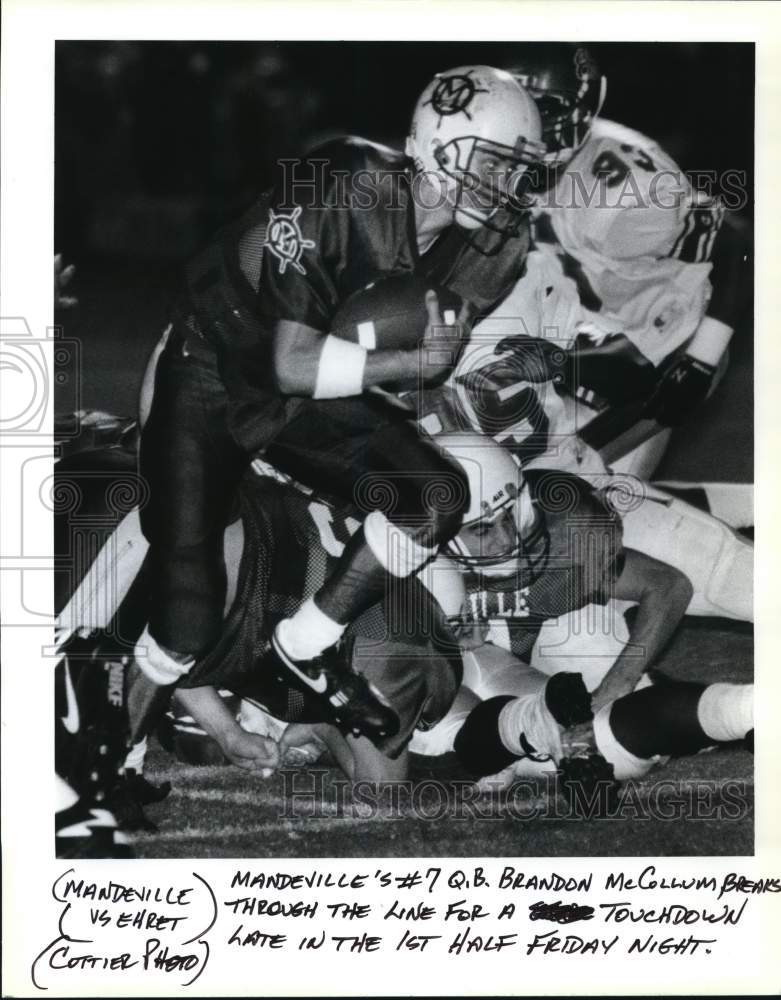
(490, 537)
(475, 131)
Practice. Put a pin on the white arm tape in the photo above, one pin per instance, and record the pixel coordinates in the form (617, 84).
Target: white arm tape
(340, 369)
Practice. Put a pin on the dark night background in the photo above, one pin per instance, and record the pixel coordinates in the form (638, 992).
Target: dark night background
(159, 143)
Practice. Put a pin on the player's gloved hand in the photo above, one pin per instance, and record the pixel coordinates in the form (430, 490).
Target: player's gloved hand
(685, 384)
(533, 359)
(439, 350)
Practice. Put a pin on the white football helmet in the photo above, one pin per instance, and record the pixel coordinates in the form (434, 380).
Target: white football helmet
(475, 132)
(490, 539)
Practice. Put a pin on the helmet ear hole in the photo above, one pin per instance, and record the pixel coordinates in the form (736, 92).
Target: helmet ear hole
(441, 155)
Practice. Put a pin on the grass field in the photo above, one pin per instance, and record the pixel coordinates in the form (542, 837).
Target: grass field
(221, 812)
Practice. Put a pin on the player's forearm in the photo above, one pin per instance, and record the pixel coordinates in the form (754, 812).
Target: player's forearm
(662, 594)
(399, 369)
(210, 712)
(310, 363)
(658, 616)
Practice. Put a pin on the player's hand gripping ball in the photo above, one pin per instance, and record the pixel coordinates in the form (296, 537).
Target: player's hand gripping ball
(426, 323)
(393, 313)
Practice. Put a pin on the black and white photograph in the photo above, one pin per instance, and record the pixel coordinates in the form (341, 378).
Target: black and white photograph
(403, 486)
(388, 552)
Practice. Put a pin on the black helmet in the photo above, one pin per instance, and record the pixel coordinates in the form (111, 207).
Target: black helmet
(569, 90)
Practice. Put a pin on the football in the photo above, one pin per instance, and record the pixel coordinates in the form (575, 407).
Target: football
(391, 314)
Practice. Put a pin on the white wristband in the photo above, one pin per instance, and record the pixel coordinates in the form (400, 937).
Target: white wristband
(710, 341)
(340, 369)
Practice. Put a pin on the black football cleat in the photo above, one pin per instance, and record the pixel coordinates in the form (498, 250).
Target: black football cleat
(87, 830)
(354, 705)
(128, 797)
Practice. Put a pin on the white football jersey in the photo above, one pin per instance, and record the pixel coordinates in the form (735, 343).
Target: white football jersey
(639, 237)
(544, 303)
(626, 252)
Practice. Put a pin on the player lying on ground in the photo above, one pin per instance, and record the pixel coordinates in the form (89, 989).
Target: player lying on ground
(508, 715)
(293, 538)
(637, 279)
(501, 395)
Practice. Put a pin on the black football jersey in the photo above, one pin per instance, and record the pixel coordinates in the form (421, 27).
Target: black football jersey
(571, 558)
(291, 543)
(335, 221)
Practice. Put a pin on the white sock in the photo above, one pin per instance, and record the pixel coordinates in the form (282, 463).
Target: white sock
(135, 758)
(158, 664)
(308, 632)
(529, 715)
(392, 547)
(726, 711)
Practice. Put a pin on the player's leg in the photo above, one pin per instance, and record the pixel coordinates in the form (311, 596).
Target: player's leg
(718, 562)
(732, 503)
(412, 496)
(192, 466)
(671, 719)
(530, 734)
(515, 729)
(489, 672)
(644, 460)
(523, 733)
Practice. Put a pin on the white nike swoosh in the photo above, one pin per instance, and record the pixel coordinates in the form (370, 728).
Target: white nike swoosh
(100, 818)
(319, 685)
(71, 720)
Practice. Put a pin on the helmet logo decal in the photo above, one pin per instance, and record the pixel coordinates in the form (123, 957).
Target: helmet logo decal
(285, 239)
(454, 94)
